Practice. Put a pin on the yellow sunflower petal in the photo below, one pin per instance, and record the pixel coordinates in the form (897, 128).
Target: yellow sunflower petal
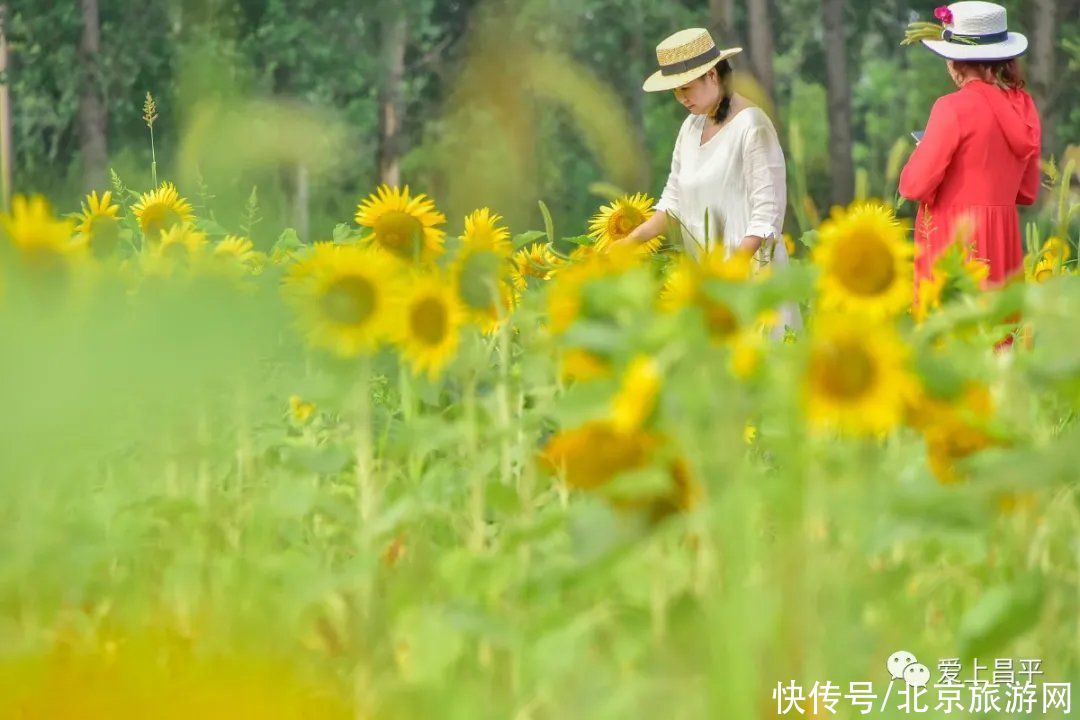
(616, 220)
(403, 225)
(343, 296)
(428, 326)
(856, 378)
(865, 261)
(160, 210)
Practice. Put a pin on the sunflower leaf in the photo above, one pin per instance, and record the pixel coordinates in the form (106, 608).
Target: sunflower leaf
(549, 225)
(1001, 615)
(527, 238)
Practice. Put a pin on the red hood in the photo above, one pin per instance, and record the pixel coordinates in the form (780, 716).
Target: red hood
(1016, 116)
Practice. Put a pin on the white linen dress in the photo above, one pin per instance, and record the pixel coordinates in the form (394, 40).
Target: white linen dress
(738, 177)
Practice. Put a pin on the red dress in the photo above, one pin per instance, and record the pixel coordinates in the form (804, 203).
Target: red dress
(978, 159)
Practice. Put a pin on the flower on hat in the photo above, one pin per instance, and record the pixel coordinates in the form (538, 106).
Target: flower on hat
(944, 14)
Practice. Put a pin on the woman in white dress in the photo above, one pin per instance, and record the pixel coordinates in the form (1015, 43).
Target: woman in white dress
(727, 164)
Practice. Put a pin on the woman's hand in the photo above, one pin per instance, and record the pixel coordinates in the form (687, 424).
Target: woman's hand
(644, 232)
(751, 244)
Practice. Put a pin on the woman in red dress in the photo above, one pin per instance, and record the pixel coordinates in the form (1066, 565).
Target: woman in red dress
(979, 156)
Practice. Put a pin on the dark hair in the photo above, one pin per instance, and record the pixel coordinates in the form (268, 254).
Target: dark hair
(1006, 74)
(723, 73)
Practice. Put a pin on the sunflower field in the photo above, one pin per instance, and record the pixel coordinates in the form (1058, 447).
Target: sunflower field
(439, 467)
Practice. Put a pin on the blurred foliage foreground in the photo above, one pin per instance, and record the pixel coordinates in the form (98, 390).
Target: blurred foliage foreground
(440, 469)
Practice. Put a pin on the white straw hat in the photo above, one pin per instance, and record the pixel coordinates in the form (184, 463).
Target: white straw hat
(976, 30)
(684, 56)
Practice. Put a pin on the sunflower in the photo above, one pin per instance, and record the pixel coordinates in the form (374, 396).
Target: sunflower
(241, 251)
(429, 318)
(161, 209)
(535, 261)
(615, 221)
(43, 241)
(689, 282)
(96, 670)
(1056, 249)
(300, 411)
(99, 229)
(636, 399)
(482, 270)
(956, 272)
(746, 353)
(856, 379)
(1044, 270)
(342, 295)
(954, 427)
(180, 242)
(789, 244)
(404, 226)
(583, 365)
(865, 260)
(483, 233)
(591, 455)
(565, 293)
(684, 493)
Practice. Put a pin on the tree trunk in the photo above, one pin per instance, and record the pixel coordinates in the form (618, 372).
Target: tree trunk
(722, 22)
(391, 106)
(841, 167)
(93, 117)
(1043, 42)
(5, 116)
(761, 43)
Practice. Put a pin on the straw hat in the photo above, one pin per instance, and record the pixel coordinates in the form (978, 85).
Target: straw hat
(684, 56)
(976, 30)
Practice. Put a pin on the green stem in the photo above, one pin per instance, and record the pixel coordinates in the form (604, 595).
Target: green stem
(153, 158)
(476, 495)
(365, 471)
(503, 389)
(414, 462)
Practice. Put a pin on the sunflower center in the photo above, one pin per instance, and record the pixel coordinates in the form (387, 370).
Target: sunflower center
(844, 370)
(429, 321)
(719, 318)
(175, 251)
(156, 218)
(479, 280)
(349, 301)
(399, 233)
(623, 222)
(865, 265)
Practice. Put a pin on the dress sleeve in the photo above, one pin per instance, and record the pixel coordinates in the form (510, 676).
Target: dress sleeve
(669, 198)
(764, 174)
(1029, 184)
(926, 167)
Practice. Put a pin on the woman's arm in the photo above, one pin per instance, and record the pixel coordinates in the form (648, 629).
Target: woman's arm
(764, 175)
(925, 169)
(1029, 184)
(648, 229)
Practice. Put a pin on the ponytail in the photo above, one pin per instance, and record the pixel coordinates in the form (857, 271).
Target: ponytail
(723, 75)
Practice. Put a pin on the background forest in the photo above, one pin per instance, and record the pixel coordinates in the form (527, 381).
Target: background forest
(508, 101)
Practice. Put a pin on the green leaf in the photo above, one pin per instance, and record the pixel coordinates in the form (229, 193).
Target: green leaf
(211, 228)
(502, 498)
(430, 642)
(287, 242)
(1000, 616)
(343, 233)
(528, 238)
(549, 225)
(322, 460)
